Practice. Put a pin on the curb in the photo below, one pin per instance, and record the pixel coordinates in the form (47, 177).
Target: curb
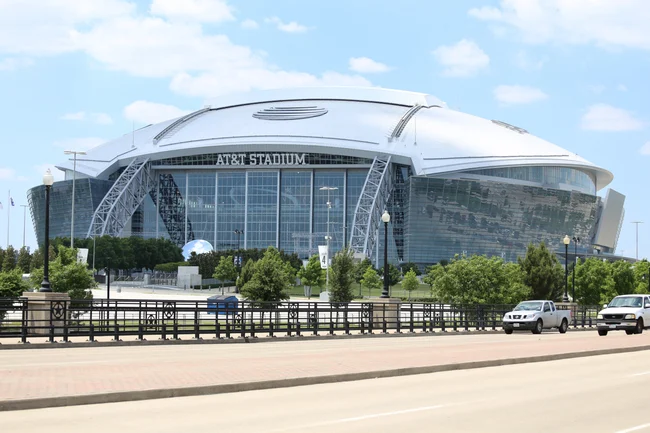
(248, 339)
(126, 396)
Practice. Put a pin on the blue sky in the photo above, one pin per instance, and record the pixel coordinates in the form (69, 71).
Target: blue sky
(75, 73)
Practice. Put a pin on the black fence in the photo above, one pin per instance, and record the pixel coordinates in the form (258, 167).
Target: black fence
(228, 318)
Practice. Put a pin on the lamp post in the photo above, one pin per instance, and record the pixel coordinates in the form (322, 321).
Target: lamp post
(328, 237)
(48, 180)
(386, 219)
(238, 233)
(567, 241)
(74, 178)
(576, 241)
(637, 237)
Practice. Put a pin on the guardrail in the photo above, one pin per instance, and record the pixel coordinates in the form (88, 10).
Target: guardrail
(229, 317)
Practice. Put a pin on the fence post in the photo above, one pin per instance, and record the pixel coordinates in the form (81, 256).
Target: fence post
(25, 323)
(91, 336)
(116, 336)
(271, 329)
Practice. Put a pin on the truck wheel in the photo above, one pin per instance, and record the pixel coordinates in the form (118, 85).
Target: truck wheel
(639, 327)
(630, 331)
(563, 326)
(508, 331)
(602, 332)
(538, 327)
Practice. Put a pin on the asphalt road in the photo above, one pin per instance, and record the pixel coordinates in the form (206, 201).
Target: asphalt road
(594, 394)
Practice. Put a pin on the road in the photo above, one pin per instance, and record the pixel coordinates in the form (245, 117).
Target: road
(595, 394)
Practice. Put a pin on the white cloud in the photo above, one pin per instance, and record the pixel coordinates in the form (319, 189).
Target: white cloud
(621, 88)
(645, 149)
(292, 27)
(42, 168)
(603, 117)
(606, 23)
(13, 63)
(37, 27)
(365, 65)
(7, 173)
(525, 62)
(514, 95)
(151, 112)
(249, 24)
(84, 143)
(99, 118)
(185, 51)
(217, 83)
(463, 59)
(208, 11)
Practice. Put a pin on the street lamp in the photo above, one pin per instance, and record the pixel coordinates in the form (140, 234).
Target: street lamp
(328, 237)
(48, 180)
(637, 237)
(238, 233)
(74, 178)
(567, 241)
(386, 219)
(576, 241)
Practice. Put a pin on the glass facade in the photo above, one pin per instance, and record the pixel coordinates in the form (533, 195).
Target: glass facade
(445, 217)
(551, 177)
(498, 213)
(88, 194)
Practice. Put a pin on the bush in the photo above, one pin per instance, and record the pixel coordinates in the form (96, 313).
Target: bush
(170, 267)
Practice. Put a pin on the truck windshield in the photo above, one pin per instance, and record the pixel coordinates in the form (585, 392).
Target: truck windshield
(625, 301)
(529, 306)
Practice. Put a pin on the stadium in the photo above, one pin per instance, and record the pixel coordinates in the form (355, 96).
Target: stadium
(290, 167)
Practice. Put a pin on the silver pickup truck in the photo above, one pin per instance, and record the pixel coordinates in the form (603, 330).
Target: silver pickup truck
(536, 316)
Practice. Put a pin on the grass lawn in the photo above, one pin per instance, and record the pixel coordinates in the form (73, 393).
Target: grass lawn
(359, 293)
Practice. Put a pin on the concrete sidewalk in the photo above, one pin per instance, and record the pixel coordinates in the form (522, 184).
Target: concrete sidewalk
(33, 378)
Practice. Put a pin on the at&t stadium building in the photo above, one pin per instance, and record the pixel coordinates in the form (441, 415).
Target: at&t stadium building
(257, 169)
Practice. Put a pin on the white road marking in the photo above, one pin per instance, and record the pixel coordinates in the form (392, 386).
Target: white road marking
(360, 418)
(645, 373)
(637, 428)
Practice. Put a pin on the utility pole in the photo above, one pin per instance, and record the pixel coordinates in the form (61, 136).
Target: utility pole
(329, 206)
(637, 237)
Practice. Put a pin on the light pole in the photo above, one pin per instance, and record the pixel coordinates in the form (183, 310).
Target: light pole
(567, 241)
(328, 237)
(238, 233)
(637, 237)
(24, 206)
(386, 219)
(74, 178)
(576, 241)
(48, 180)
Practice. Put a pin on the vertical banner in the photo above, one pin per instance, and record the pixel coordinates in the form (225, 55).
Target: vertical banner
(324, 257)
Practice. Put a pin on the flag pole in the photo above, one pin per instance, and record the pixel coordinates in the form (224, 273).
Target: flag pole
(8, 216)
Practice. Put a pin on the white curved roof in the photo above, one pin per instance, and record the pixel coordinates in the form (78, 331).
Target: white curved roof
(340, 120)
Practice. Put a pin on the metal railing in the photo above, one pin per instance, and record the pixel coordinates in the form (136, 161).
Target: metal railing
(229, 317)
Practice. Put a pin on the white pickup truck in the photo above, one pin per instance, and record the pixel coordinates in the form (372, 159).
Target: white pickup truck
(536, 316)
(630, 313)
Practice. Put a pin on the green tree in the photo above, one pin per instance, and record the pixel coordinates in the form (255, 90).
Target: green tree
(433, 273)
(341, 276)
(594, 282)
(2, 258)
(246, 274)
(479, 280)
(394, 275)
(624, 278)
(226, 271)
(371, 280)
(360, 270)
(516, 290)
(411, 266)
(543, 272)
(9, 263)
(24, 260)
(11, 287)
(270, 281)
(642, 276)
(410, 282)
(37, 260)
(311, 275)
(66, 275)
